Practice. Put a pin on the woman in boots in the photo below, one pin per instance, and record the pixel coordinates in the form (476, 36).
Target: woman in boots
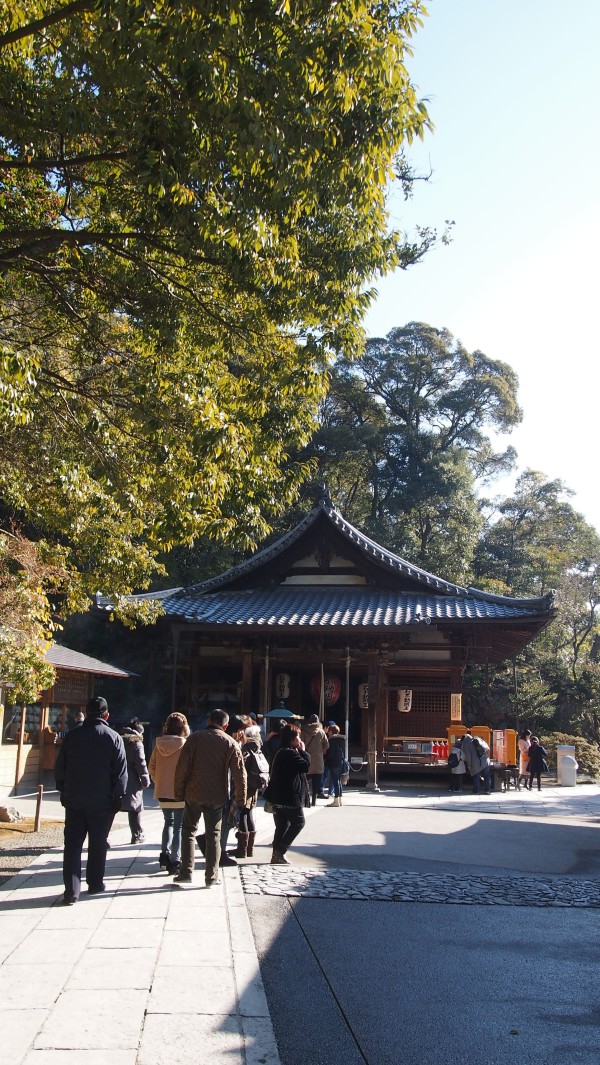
(251, 745)
(163, 763)
(287, 790)
(137, 778)
(334, 760)
(537, 762)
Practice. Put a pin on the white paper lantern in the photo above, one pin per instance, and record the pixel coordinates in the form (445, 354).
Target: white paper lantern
(404, 702)
(282, 685)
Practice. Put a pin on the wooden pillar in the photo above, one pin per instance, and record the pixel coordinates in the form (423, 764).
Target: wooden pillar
(382, 710)
(247, 680)
(44, 714)
(20, 747)
(374, 698)
(265, 684)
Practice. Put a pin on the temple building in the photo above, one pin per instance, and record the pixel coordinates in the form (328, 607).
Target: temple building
(327, 621)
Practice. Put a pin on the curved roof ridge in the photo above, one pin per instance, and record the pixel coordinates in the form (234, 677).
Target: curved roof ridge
(385, 555)
(539, 601)
(256, 560)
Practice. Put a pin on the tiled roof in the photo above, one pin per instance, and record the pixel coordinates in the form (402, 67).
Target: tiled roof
(65, 658)
(328, 606)
(377, 553)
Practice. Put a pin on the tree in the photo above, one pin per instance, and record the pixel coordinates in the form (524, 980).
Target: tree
(25, 625)
(403, 439)
(193, 208)
(533, 538)
(535, 542)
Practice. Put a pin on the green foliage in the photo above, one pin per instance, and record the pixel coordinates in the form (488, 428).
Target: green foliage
(25, 622)
(587, 754)
(192, 211)
(534, 538)
(403, 440)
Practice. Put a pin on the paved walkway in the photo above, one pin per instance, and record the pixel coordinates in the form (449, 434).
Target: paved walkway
(152, 974)
(148, 974)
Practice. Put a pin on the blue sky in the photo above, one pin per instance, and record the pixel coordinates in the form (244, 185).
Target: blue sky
(514, 91)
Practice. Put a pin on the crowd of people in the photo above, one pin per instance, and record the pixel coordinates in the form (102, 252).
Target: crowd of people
(470, 758)
(213, 776)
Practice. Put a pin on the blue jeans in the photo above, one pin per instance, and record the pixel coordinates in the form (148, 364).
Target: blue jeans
(335, 781)
(485, 775)
(171, 834)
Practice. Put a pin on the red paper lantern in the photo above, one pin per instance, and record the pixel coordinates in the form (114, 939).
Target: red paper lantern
(333, 688)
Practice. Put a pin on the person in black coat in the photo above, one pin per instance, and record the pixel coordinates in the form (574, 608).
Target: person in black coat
(91, 776)
(537, 763)
(287, 790)
(137, 778)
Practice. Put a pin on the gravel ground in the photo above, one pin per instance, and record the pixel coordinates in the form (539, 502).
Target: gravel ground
(19, 844)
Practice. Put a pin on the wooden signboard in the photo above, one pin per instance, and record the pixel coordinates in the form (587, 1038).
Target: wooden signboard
(71, 687)
(456, 708)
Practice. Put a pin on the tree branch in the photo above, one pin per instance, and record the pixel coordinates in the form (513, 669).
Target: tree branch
(61, 163)
(49, 20)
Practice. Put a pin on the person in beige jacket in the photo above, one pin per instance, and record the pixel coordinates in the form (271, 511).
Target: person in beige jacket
(162, 765)
(202, 781)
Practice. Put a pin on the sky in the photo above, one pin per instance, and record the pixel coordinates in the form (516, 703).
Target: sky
(513, 89)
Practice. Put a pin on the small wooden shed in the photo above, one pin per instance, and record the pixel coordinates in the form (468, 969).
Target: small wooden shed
(32, 734)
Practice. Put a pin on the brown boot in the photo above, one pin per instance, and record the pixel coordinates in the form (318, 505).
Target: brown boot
(242, 846)
(250, 849)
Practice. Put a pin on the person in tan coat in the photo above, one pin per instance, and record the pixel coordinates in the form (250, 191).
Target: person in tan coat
(202, 781)
(317, 745)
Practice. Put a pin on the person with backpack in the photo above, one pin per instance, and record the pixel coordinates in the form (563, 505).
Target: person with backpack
(457, 767)
(257, 773)
(475, 752)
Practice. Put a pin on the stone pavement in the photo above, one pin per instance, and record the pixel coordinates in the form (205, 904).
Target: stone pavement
(148, 974)
(151, 974)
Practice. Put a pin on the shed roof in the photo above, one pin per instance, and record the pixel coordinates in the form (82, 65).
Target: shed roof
(65, 658)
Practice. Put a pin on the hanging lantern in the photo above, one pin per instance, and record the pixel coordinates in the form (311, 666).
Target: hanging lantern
(404, 702)
(332, 689)
(282, 685)
(363, 696)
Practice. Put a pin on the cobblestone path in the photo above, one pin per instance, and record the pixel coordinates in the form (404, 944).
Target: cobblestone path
(416, 887)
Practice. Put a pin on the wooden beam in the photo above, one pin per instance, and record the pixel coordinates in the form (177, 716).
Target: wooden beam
(247, 680)
(374, 696)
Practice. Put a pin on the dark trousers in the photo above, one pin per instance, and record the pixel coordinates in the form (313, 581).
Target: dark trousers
(247, 823)
(289, 821)
(135, 822)
(95, 824)
(535, 776)
(316, 783)
(213, 816)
